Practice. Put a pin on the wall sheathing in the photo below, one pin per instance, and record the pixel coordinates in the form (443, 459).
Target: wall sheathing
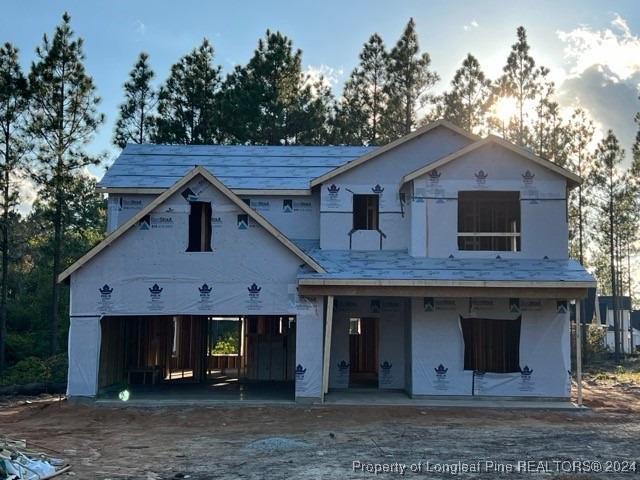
(147, 271)
(392, 315)
(490, 168)
(381, 175)
(438, 348)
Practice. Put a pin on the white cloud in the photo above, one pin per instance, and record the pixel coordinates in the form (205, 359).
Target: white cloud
(471, 25)
(28, 194)
(616, 49)
(602, 76)
(140, 29)
(331, 75)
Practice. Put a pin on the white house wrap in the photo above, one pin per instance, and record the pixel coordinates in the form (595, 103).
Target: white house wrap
(442, 257)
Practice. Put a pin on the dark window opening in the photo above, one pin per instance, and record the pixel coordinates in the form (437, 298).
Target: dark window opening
(199, 227)
(489, 221)
(491, 345)
(365, 212)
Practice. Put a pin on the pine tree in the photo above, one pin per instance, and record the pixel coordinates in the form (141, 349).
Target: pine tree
(318, 114)
(188, 102)
(63, 119)
(470, 99)
(14, 97)
(364, 96)
(350, 124)
(608, 181)
(549, 132)
(408, 80)
(136, 113)
(522, 81)
(580, 162)
(267, 101)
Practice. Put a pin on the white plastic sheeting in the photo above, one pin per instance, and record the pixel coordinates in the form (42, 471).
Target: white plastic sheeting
(309, 327)
(84, 356)
(438, 349)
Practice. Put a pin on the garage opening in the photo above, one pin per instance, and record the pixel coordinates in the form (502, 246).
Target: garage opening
(153, 353)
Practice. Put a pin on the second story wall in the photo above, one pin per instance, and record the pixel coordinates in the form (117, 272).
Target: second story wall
(540, 205)
(348, 196)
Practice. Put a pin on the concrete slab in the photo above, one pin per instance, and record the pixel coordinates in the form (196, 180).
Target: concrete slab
(377, 397)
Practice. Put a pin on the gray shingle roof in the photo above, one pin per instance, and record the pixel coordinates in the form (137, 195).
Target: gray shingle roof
(238, 167)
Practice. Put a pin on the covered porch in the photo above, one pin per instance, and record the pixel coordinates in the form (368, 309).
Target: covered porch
(470, 327)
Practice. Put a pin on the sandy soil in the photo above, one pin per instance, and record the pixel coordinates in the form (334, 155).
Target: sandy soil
(324, 442)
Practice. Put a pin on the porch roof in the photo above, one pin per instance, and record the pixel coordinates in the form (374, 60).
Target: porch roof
(397, 269)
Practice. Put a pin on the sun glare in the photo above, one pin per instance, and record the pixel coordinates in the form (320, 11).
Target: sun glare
(505, 108)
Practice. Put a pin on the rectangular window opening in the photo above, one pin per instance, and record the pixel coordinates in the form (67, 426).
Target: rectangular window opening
(491, 345)
(354, 326)
(489, 221)
(366, 212)
(199, 227)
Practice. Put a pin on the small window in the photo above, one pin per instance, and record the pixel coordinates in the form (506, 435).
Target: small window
(489, 221)
(199, 227)
(365, 212)
(354, 326)
(491, 345)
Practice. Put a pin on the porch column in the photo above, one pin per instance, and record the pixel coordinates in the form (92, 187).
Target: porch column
(327, 345)
(578, 354)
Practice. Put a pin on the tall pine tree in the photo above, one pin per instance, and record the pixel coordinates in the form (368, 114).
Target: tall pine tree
(580, 162)
(522, 81)
(268, 101)
(136, 114)
(408, 81)
(470, 99)
(188, 102)
(14, 97)
(364, 97)
(608, 180)
(63, 119)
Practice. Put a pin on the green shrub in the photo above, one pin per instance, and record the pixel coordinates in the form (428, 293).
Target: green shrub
(58, 367)
(29, 370)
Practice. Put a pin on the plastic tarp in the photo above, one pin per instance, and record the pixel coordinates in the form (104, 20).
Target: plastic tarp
(84, 356)
(438, 348)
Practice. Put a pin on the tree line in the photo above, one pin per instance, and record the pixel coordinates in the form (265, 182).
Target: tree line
(49, 115)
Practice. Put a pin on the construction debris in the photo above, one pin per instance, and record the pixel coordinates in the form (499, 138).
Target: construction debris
(17, 462)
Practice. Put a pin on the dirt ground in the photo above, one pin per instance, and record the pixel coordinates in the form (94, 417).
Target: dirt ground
(328, 442)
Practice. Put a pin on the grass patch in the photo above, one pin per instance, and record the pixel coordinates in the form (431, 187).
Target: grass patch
(606, 371)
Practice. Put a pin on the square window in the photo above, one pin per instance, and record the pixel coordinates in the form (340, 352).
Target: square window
(366, 212)
(489, 221)
(491, 345)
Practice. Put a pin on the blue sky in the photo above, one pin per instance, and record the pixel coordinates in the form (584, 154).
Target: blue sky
(592, 47)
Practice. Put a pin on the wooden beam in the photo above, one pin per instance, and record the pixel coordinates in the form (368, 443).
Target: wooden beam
(441, 291)
(327, 345)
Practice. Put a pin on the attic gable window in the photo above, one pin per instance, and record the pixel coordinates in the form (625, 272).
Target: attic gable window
(199, 227)
(366, 212)
(489, 221)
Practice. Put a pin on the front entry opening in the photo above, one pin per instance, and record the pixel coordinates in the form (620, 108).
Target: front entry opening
(363, 352)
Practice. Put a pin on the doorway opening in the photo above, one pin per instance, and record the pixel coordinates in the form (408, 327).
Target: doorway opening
(363, 352)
